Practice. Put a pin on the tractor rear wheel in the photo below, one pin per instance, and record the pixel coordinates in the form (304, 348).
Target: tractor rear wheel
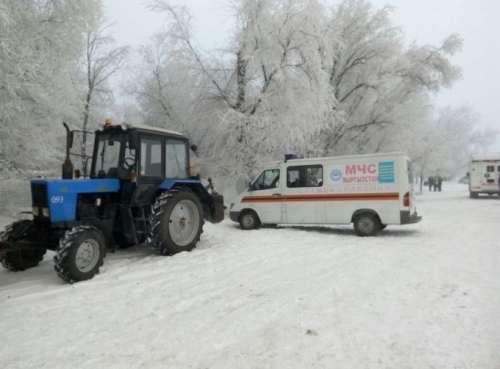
(80, 254)
(19, 260)
(176, 222)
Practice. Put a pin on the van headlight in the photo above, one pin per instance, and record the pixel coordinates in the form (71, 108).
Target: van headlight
(35, 210)
(46, 212)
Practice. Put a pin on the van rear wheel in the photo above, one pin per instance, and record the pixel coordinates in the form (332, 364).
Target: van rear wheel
(249, 220)
(367, 224)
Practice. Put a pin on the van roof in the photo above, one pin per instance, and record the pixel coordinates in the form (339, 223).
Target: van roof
(344, 157)
(486, 156)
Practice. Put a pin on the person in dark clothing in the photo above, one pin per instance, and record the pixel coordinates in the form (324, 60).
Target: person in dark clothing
(430, 182)
(435, 183)
(440, 182)
(498, 184)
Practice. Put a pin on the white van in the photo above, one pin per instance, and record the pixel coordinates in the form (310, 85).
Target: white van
(484, 170)
(371, 191)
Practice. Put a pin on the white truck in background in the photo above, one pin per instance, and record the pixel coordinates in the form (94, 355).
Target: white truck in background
(370, 191)
(484, 170)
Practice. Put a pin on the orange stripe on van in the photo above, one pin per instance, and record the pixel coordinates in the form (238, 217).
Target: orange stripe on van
(382, 196)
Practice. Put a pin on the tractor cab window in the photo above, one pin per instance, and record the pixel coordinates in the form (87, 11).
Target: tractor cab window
(107, 160)
(176, 159)
(268, 179)
(151, 158)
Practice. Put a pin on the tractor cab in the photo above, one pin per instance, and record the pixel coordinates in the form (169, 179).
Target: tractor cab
(142, 158)
(139, 153)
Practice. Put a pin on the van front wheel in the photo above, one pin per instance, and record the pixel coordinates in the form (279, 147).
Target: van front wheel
(367, 224)
(249, 220)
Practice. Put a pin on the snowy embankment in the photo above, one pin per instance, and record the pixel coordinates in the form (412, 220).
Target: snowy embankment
(418, 296)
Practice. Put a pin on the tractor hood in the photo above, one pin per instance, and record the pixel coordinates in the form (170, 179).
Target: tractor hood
(60, 195)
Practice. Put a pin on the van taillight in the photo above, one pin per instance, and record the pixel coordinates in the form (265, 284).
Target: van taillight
(406, 199)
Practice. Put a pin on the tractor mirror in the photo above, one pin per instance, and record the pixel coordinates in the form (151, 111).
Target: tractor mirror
(194, 148)
(133, 140)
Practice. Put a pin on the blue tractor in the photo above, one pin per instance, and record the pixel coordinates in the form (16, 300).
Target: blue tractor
(139, 191)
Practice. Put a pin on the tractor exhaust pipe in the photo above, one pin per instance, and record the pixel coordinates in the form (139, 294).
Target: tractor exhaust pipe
(67, 167)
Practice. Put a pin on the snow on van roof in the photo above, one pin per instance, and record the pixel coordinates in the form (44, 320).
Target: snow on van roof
(346, 157)
(486, 156)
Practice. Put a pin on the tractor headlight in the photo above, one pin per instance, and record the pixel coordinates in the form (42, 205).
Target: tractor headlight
(36, 211)
(46, 212)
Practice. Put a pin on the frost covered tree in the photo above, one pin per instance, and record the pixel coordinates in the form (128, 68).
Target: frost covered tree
(39, 44)
(376, 79)
(446, 140)
(265, 95)
(163, 85)
(101, 60)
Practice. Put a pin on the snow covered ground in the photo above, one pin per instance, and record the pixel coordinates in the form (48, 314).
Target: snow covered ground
(419, 296)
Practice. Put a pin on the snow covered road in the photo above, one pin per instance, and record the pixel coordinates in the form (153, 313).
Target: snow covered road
(419, 296)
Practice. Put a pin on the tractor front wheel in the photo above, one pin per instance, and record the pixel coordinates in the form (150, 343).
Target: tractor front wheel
(19, 260)
(176, 222)
(80, 254)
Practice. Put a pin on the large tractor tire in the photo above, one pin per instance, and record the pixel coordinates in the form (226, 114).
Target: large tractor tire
(176, 222)
(80, 254)
(19, 260)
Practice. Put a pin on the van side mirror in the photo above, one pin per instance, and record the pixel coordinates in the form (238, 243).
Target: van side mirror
(250, 187)
(468, 174)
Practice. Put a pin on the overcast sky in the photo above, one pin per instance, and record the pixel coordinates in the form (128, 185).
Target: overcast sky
(424, 21)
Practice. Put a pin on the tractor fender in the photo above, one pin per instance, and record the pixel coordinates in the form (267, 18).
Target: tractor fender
(213, 204)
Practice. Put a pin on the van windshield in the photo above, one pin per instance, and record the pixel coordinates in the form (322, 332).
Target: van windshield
(268, 179)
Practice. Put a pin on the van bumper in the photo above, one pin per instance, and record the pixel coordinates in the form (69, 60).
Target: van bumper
(407, 218)
(234, 216)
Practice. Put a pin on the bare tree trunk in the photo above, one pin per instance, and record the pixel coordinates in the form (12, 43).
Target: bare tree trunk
(241, 71)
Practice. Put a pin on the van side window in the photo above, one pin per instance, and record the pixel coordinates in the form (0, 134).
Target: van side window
(268, 179)
(490, 168)
(498, 169)
(304, 176)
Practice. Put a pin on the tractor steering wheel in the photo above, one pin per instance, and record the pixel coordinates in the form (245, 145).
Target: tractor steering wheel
(130, 166)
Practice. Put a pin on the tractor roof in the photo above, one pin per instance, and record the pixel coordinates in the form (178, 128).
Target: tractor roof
(154, 129)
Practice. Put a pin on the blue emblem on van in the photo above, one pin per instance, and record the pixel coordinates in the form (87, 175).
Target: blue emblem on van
(335, 174)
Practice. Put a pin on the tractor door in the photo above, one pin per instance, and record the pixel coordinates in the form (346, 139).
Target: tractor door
(151, 169)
